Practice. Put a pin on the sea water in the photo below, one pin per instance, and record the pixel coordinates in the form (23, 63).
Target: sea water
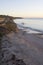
(31, 25)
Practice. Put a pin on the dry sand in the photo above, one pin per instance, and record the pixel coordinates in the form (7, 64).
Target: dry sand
(25, 46)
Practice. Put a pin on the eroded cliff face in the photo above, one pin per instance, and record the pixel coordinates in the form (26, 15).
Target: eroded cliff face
(8, 25)
(11, 25)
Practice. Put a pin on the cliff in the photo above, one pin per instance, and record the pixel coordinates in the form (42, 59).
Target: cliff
(4, 16)
(8, 25)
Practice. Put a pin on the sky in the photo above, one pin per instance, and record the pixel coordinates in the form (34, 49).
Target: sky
(22, 8)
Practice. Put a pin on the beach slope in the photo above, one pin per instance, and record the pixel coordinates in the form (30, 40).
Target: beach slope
(28, 47)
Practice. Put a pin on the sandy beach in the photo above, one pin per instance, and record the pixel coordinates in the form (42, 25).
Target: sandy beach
(28, 47)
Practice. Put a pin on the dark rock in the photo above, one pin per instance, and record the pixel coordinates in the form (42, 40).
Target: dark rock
(13, 57)
(20, 62)
(17, 61)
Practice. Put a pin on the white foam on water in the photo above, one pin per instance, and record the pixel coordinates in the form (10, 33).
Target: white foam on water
(30, 23)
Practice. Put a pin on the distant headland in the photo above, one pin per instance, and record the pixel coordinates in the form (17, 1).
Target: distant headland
(4, 16)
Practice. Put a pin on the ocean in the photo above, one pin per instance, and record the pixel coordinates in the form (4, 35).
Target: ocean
(31, 25)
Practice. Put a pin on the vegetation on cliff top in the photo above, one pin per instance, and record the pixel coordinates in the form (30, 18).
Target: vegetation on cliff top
(4, 16)
(7, 24)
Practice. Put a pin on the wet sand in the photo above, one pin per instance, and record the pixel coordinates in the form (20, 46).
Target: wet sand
(28, 47)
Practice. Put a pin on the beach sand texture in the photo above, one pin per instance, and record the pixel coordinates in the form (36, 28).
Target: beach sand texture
(28, 47)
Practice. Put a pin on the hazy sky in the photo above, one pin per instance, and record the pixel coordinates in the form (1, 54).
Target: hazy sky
(24, 8)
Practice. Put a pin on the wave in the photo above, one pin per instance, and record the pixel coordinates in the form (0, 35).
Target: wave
(30, 26)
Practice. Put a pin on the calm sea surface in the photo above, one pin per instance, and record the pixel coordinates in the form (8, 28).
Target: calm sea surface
(36, 24)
